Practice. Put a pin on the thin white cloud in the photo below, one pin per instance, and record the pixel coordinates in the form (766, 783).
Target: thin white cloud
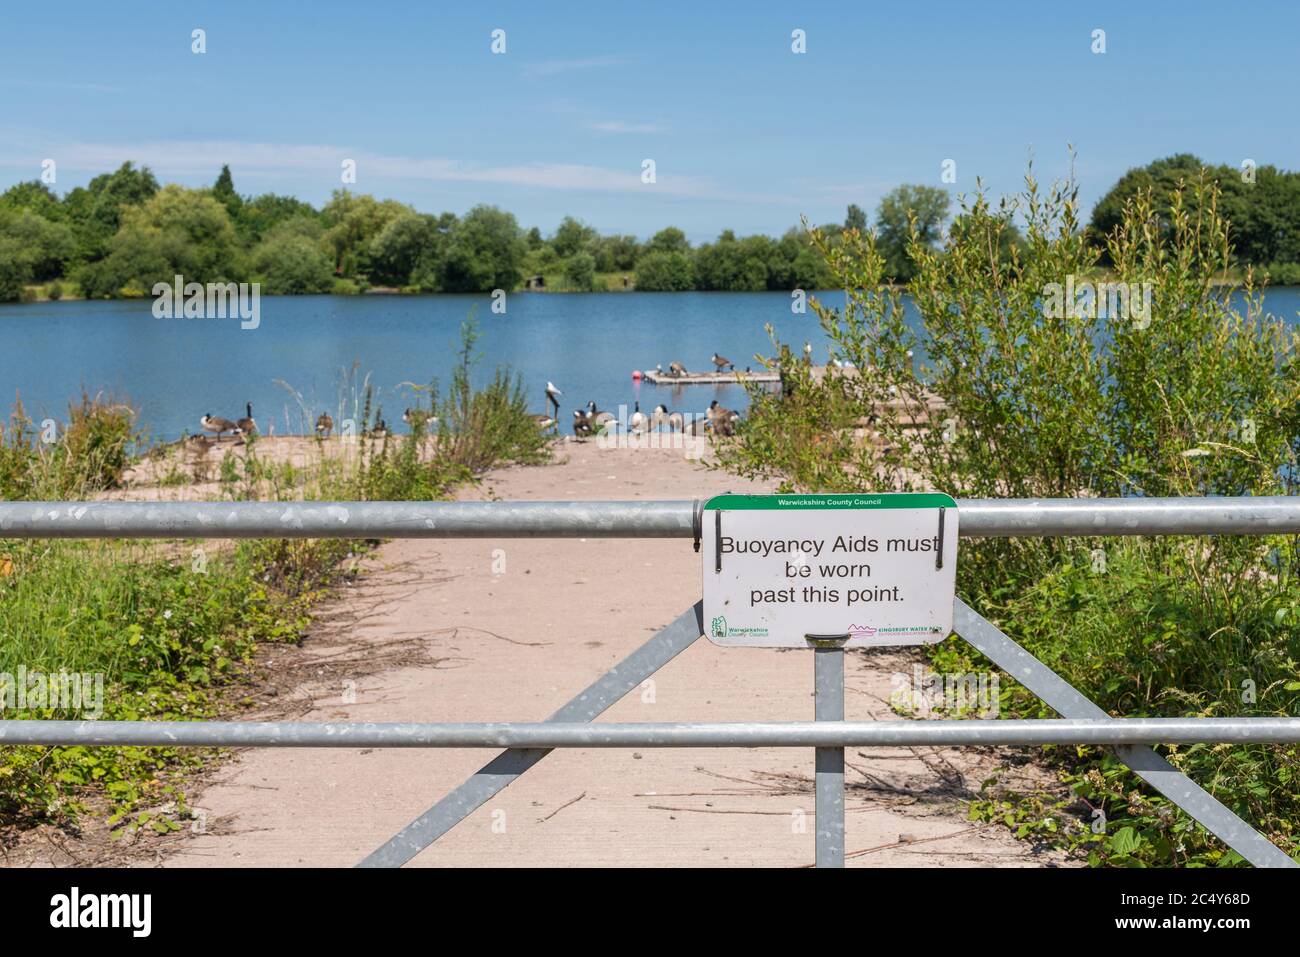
(204, 158)
(617, 126)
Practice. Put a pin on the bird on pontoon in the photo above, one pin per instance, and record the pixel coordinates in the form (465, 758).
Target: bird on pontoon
(722, 362)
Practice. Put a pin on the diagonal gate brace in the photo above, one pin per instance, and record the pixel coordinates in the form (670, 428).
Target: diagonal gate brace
(1144, 761)
(501, 771)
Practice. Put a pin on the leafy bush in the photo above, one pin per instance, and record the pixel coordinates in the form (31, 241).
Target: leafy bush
(87, 454)
(1190, 392)
(580, 272)
(665, 272)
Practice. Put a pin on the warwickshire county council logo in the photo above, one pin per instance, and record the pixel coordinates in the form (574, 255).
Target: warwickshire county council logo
(861, 631)
(720, 627)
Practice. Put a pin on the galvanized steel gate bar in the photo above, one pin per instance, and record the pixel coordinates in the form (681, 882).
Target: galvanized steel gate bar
(570, 726)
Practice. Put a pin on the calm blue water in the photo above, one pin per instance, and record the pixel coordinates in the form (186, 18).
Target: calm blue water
(175, 370)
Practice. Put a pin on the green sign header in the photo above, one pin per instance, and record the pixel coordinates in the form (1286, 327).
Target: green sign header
(860, 500)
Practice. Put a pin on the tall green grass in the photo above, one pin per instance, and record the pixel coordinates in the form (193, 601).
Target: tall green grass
(168, 625)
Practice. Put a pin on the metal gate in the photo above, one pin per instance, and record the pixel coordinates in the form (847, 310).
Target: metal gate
(525, 744)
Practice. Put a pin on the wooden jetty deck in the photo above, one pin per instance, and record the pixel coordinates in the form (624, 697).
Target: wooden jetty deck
(655, 377)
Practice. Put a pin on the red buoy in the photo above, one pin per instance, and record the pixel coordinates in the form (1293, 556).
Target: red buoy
(636, 375)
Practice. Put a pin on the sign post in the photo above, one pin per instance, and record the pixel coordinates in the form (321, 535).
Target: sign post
(828, 705)
(829, 572)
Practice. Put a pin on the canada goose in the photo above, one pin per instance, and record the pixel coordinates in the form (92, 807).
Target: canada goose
(246, 425)
(638, 420)
(543, 421)
(676, 369)
(380, 430)
(419, 416)
(722, 362)
(722, 419)
(662, 417)
(581, 424)
(598, 419)
(215, 423)
(324, 425)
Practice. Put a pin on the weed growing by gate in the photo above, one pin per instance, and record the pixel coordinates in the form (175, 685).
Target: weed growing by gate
(995, 393)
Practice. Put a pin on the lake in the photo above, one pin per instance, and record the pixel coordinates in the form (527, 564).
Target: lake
(176, 370)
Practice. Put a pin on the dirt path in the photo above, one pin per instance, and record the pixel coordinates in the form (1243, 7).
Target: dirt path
(467, 630)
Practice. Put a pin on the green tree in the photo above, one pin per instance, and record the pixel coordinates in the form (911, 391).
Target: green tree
(907, 214)
(96, 209)
(485, 251)
(289, 262)
(224, 191)
(733, 265)
(35, 196)
(258, 216)
(614, 253)
(665, 272)
(351, 222)
(855, 218)
(572, 236)
(408, 242)
(49, 247)
(177, 232)
(580, 272)
(15, 270)
(670, 240)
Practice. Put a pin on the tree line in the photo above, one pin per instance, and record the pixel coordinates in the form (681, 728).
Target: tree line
(123, 232)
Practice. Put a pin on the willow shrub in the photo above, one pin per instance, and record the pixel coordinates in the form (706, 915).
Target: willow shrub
(1192, 391)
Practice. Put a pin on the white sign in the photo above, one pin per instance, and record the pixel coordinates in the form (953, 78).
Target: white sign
(781, 569)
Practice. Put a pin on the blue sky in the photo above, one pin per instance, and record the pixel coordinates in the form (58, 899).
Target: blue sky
(745, 134)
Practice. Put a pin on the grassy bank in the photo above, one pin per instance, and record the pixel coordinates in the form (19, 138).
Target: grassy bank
(170, 629)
